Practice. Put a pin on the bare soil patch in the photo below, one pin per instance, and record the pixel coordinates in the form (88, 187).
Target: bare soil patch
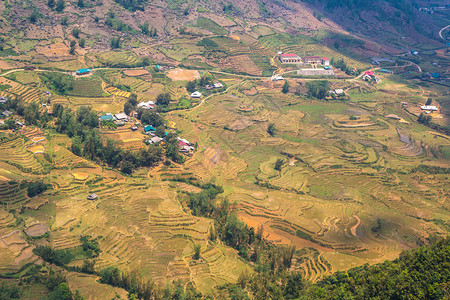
(53, 50)
(179, 74)
(4, 65)
(134, 73)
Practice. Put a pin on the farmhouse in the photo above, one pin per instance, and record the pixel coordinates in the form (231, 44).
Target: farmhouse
(147, 105)
(149, 128)
(92, 197)
(121, 117)
(337, 92)
(107, 117)
(196, 94)
(83, 72)
(317, 60)
(290, 58)
(277, 78)
(155, 140)
(429, 107)
(3, 100)
(6, 113)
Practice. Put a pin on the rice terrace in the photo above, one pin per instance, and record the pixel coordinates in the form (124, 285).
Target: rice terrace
(236, 150)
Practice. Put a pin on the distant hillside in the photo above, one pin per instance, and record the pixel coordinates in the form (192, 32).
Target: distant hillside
(384, 20)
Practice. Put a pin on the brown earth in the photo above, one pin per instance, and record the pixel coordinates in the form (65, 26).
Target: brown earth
(53, 50)
(135, 72)
(178, 74)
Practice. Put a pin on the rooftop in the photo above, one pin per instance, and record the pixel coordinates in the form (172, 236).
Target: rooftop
(289, 55)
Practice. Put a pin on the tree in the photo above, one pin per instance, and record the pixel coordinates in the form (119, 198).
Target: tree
(278, 164)
(285, 89)
(317, 89)
(145, 28)
(80, 3)
(64, 20)
(160, 131)
(76, 32)
(191, 86)
(34, 16)
(82, 42)
(115, 42)
(271, 129)
(133, 99)
(197, 248)
(72, 47)
(163, 99)
(61, 293)
(127, 167)
(60, 5)
(51, 3)
(88, 266)
(127, 108)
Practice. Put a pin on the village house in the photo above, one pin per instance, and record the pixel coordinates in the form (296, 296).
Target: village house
(196, 94)
(107, 117)
(6, 113)
(429, 108)
(337, 92)
(311, 60)
(146, 105)
(121, 117)
(83, 72)
(290, 58)
(155, 140)
(149, 128)
(92, 197)
(3, 100)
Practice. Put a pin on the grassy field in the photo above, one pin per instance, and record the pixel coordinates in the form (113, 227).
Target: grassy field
(87, 87)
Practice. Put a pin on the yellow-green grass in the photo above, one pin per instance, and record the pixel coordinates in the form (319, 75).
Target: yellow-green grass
(15, 153)
(87, 87)
(119, 58)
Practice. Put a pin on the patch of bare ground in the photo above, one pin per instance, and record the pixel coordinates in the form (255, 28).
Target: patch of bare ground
(133, 73)
(56, 51)
(179, 74)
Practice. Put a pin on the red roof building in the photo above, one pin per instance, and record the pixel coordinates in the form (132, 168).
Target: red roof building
(290, 58)
(370, 73)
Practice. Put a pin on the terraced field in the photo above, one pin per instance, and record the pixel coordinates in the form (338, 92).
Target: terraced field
(87, 87)
(119, 59)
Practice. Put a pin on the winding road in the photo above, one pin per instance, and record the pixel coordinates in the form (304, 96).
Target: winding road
(442, 30)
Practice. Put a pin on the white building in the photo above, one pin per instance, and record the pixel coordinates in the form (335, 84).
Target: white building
(146, 105)
(121, 117)
(429, 107)
(196, 94)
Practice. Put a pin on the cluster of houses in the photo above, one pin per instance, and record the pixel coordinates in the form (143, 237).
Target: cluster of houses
(216, 85)
(162, 68)
(369, 76)
(118, 119)
(291, 58)
(184, 145)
